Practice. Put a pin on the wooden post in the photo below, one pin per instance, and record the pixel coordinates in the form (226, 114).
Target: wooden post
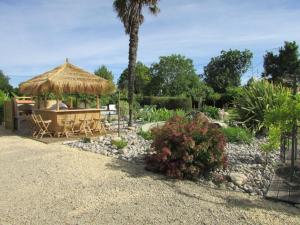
(71, 102)
(98, 102)
(45, 101)
(38, 102)
(119, 113)
(57, 103)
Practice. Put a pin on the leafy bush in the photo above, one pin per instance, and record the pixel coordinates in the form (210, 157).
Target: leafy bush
(147, 135)
(186, 148)
(256, 99)
(151, 114)
(124, 108)
(237, 135)
(3, 97)
(211, 111)
(119, 143)
(86, 140)
(168, 102)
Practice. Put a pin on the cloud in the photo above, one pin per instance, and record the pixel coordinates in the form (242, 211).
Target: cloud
(37, 35)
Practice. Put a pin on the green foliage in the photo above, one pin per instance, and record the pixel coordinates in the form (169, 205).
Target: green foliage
(4, 83)
(237, 135)
(200, 93)
(151, 114)
(168, 102)
(214, 96)
(279, 120)
(173, 75)
(119, 143)
(147, 135)
(273, 140)
(86, 140)
(231, 94)
(256, 99)
(3, 97)
(104, 73)
(226, 70)
(279, 67)
(124, 107)
(211, 111)
(187, 148)
(141, 79)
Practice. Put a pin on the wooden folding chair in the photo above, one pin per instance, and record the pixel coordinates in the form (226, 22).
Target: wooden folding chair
(69, 127)
(36, 128)
(44, 125)
(97, 125)
(85, 126)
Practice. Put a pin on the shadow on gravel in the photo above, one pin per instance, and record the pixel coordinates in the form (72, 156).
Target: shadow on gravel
(133, 169)
(226, 198)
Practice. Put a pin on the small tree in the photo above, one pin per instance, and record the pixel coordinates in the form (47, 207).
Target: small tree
(104, 73)
(279, 67)
(173, 75)
(4, 83)
(226, 69)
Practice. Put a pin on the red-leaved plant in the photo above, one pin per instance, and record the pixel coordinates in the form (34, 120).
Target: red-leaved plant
(187, 148)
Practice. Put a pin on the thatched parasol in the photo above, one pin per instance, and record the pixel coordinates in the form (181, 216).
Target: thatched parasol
(67, 78)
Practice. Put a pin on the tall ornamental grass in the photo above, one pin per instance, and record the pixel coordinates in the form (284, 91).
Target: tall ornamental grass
(258, 98)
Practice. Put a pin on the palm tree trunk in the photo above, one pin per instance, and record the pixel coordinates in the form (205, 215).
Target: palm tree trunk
(133, 45)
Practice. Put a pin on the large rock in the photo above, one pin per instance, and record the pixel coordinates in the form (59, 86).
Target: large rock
(148, 126)
(238, 178)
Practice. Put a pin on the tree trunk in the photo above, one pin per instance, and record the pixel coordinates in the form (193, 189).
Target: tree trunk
(133, 45)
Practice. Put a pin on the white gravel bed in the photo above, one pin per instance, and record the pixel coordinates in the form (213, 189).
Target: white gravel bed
(46, 184)
(246, 169)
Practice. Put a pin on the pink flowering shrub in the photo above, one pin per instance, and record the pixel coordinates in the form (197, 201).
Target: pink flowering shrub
(187, 148)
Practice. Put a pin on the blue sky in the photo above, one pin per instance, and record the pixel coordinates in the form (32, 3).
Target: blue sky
(37, 35)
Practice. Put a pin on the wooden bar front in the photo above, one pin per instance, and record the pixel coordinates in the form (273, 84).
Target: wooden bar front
(58, 117)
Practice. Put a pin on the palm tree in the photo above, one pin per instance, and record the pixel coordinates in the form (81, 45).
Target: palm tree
(130, 14)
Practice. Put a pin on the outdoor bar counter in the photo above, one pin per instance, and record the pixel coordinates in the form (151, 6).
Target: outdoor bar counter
(58, 117)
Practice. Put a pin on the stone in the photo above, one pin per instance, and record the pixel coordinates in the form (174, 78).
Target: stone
(116, 139)
(131, 128)
(258, 159)
(297, 206)
(238, 178)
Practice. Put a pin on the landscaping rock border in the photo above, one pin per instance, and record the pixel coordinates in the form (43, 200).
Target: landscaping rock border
(245, 172)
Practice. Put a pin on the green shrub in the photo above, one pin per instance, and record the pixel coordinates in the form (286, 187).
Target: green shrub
(86, 140)
(168, 102)
(237, 135)
(147, 135)
(119, 143)
(151, 114)
(187, 148)
(3, 97)
(124, 108)
(211, 111)
(256, 99)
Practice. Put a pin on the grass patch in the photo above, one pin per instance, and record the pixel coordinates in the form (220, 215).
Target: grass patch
(237, 135)
(119, 143)
(86, 140)
(147, 135)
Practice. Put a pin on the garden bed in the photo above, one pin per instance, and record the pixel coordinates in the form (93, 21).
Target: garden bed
(246, 170)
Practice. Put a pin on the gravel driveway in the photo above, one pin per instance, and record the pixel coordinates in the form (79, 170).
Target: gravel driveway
(44, 184)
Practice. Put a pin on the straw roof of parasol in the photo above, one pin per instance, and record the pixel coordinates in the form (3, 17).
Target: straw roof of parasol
(67, 78)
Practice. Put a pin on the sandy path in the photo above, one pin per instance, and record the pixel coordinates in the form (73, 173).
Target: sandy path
(53, 184)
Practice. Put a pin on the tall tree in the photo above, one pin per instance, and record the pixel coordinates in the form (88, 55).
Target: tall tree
(142, 78)
(103, 72)
(131, 15)
(172, 76)
(226, 69)
(279, 67)
(4, 83)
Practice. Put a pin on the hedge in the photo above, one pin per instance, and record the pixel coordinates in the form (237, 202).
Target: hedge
(168, 102)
